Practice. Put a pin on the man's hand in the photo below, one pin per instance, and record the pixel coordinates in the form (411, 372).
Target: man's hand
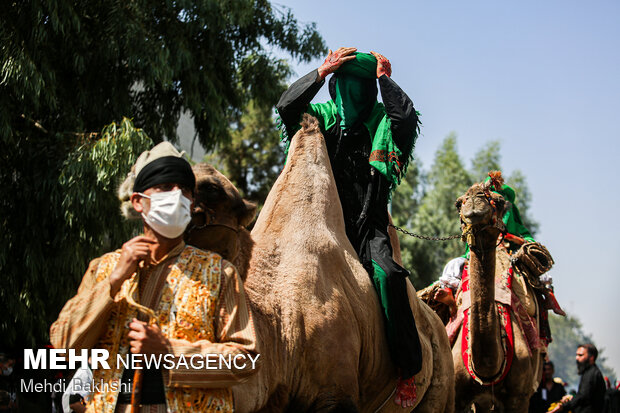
(133, 251)
(78, 407)
(147, 339)
(445, 296)
(560, 405)
(383, 65)
(334, 60)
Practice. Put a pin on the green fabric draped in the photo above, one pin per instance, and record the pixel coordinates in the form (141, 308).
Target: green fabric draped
(512, 217)
(353, 97)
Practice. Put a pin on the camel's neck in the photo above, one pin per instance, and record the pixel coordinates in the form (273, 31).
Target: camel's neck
(487, 352)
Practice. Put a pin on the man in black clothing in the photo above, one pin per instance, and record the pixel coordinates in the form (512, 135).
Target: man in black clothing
(591, 393)
(369, 146)
(549, 391)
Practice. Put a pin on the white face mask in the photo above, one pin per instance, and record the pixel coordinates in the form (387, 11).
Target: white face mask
(169, 214)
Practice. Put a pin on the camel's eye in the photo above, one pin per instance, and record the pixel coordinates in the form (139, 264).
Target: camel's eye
(210, 193)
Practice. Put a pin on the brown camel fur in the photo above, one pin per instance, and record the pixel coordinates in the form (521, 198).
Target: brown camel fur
(483, 222)
(316, 314)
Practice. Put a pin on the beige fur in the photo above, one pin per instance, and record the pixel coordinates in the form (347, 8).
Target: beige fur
(513, 393)
(317, 316)
(124, 195)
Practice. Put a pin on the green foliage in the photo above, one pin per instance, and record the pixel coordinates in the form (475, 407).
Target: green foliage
(567, 336)
(436, 216)
(486, 159)
(408, 195)
(405, 203)
(253, 158)
(76, 66)
(61, 211)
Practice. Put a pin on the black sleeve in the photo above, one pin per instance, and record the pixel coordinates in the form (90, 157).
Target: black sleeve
(295, 100)
(401, 112)
(587, 387)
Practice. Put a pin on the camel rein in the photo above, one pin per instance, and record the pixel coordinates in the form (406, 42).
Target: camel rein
(424, 237)
(138, 375)
(209, 218)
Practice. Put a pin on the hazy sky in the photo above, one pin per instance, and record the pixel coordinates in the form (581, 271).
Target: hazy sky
(543, 77)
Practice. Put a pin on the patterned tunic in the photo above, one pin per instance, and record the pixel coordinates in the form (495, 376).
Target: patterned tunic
(200, 305)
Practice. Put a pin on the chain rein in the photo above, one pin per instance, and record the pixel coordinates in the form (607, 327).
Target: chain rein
(450, 237)
(424, 237)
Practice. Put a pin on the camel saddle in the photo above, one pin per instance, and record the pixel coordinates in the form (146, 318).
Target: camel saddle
(532, 260)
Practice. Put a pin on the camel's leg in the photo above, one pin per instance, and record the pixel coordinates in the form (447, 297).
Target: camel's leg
(517, 403)
(439, 397)
(486, 404)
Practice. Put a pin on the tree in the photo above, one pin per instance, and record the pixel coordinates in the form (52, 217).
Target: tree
(76, 66)
(567, 336)
(253, 158)
(436, 216)
(408, 195)
(486, 159)
(61, 212)
(404, 205)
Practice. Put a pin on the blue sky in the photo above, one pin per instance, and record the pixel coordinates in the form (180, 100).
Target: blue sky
(543, 77)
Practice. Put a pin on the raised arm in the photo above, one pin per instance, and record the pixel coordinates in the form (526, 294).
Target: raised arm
(295, 100)
(398, 106)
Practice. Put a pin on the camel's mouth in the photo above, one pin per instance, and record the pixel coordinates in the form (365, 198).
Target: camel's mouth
(477, 217)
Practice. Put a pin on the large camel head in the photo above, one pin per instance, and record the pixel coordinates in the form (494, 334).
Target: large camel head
(481, 211)
(220, 213)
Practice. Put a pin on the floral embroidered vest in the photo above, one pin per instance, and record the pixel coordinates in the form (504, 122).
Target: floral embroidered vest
(186, 311)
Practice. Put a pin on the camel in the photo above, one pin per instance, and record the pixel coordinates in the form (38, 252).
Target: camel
(317, 317)
(481, 214)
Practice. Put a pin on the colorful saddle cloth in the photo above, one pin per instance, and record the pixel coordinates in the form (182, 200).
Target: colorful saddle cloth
(508, 307)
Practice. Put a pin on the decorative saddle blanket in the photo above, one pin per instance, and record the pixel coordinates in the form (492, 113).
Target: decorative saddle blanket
(508, 306)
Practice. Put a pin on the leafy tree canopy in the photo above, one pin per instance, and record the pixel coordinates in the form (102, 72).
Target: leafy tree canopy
(62, 211)
(253, 158)
(76, 66)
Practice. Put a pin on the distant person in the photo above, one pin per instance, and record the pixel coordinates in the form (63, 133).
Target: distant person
(8, 383)
(549, 391)
(612, 397)
(591, 393)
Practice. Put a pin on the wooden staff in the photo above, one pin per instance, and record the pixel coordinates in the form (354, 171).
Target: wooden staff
(138, 374)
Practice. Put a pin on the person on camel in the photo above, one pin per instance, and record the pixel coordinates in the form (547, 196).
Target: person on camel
(369, 146)
(516, 235)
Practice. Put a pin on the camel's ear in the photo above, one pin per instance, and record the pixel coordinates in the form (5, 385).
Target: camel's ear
(459, 202)
(248, 215)
(501, 204)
